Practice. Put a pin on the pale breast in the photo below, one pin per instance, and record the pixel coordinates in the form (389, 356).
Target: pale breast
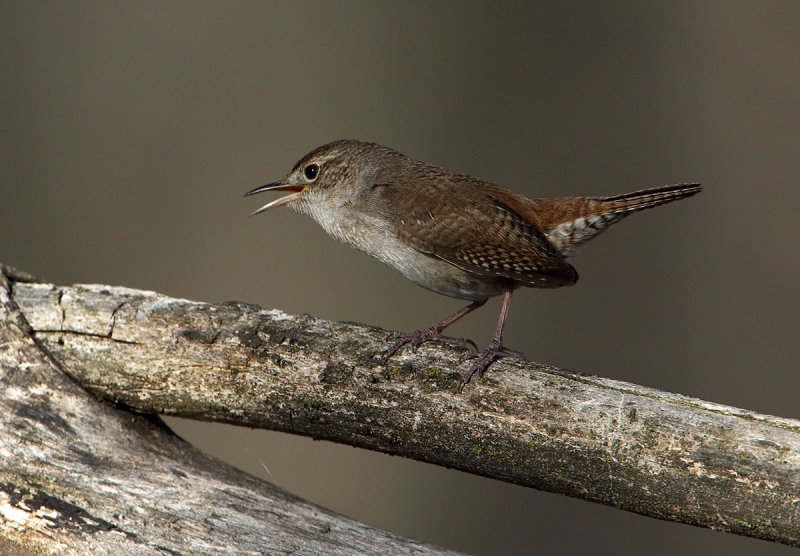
(372, 236)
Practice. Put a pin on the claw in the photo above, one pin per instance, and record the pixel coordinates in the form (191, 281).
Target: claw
(485, 358)
(419, 337)
(508, 352)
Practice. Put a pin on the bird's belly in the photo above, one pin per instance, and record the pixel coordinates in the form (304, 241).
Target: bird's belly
(435, 274)
(374, 238)
(452, 281)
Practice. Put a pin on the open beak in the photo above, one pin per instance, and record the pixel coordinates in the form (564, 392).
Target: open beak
(275, 186)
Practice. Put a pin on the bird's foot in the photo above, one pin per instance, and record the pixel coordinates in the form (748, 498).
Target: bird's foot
(419, 337)
(484, 358)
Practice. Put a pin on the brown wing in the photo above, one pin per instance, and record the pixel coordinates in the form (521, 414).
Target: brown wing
(475, 231)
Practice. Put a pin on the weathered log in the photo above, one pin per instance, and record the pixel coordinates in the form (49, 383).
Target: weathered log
(655, 453)
(78, 476)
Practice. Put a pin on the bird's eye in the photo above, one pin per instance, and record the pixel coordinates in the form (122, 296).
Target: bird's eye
(311, 172)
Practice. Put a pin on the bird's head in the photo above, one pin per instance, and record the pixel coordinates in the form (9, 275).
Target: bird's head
(330, 176)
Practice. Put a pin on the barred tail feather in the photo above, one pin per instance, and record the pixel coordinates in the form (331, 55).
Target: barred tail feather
(646, 198)
(585, 217)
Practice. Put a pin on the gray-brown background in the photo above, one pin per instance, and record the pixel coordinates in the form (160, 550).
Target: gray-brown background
(130, 132)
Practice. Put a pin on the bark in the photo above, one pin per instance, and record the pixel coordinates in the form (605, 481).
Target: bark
(659, 454)
(78, 476)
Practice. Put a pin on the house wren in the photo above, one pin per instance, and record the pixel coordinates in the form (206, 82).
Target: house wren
(450, 233)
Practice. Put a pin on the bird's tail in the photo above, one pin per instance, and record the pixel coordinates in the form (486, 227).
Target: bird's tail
(646, 198)
(579, 219)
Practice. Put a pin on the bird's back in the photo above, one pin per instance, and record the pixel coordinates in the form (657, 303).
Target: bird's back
(474, 225)
(488, 230)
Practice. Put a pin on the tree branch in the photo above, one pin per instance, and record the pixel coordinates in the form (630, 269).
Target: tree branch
(659, 454)
(80, 477)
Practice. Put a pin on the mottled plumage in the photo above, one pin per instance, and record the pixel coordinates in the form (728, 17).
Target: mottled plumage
(449, 232)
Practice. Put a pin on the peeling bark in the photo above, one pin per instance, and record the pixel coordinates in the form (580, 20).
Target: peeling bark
(659, 454)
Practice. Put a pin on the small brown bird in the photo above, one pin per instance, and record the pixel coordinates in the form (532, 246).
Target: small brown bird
(450, 233)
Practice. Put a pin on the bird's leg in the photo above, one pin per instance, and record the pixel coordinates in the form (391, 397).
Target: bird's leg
(495, 350)
(418, 337)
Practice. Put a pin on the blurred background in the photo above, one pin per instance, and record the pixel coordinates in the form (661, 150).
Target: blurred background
(131, 130)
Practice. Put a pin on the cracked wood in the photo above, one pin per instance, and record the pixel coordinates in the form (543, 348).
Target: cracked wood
(81, 477)
(655, 453)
